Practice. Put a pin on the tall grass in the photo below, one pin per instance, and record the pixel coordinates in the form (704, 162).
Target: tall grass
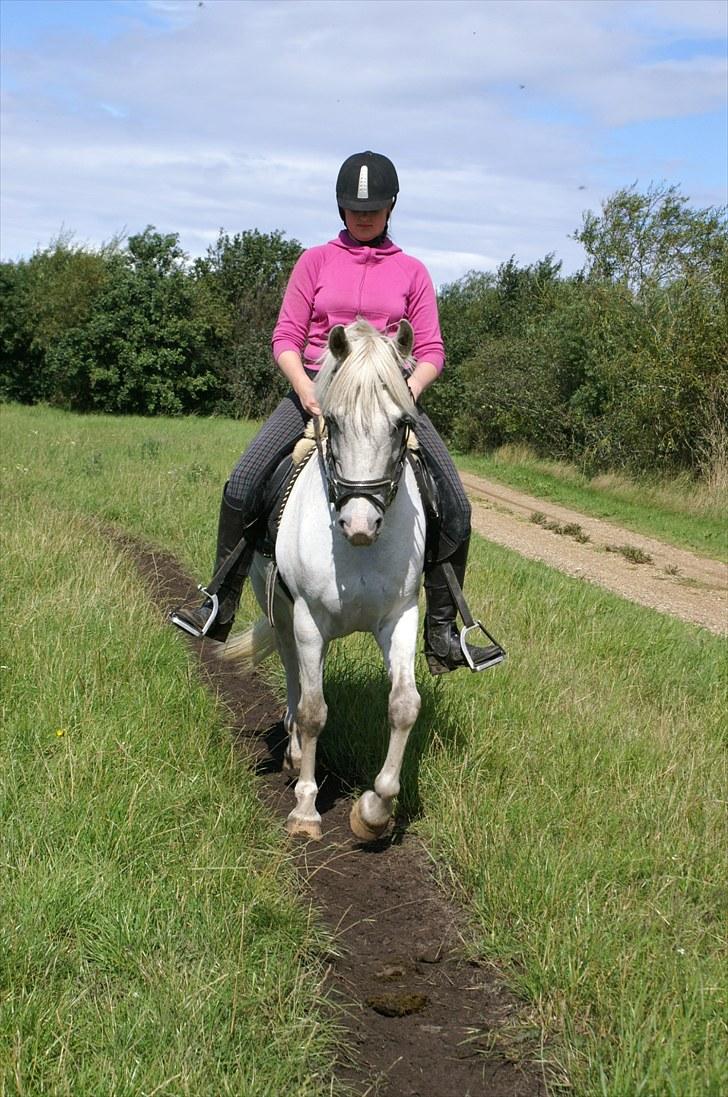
(151, 937)
(575, 796)
(713, 455)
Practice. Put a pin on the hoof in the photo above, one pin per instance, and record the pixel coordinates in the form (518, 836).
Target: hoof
(304, 828)
(361, 829)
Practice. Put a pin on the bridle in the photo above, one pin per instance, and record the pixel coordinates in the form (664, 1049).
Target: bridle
(379, 492)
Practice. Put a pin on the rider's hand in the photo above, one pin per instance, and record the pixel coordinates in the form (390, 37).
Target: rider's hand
(306, 391)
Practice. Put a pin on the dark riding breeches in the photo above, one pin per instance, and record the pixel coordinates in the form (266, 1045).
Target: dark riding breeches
(279, 434)
(454, 503)
(274, 441)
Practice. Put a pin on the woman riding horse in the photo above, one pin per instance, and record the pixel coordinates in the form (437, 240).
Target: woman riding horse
(361, 273)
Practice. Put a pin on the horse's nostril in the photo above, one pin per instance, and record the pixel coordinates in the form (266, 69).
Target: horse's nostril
(378, 524)
(342, 523)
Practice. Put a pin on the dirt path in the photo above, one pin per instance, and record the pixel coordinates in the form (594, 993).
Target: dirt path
(400, 941)
(674, 581)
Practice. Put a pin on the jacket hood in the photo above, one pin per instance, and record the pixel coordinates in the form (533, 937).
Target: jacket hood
(348, 243)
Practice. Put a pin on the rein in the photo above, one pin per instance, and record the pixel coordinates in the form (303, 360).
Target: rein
(379, 492)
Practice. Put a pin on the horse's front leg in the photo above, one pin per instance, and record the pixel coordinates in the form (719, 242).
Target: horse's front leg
(310, 720)
(371, 813)
(289, 658)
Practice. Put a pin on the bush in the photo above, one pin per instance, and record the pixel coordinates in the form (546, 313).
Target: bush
(623, 366)
(475, 311)
(511, 394)
(142, 348)
(139, 330)
(42, 299)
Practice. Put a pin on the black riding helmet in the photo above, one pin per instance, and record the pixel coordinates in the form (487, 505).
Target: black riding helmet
(366, 181)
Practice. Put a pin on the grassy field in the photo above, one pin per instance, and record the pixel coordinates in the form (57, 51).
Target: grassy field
(679, 511)
(575, 797)
(152, 940)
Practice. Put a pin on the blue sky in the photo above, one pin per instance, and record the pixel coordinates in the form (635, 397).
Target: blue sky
(507, 119)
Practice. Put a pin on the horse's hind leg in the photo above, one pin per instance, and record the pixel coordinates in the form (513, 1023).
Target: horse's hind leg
(310, 720)
(371, 813)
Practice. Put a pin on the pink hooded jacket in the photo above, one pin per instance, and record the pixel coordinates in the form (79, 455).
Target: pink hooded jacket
(337, 282)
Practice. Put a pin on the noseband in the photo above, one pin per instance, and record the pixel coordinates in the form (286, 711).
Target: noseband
(379, 492)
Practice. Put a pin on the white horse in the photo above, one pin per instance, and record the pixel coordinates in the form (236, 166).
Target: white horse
(350, 549)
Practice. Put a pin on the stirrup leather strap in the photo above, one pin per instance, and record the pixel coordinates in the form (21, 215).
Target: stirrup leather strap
(224, 570)
(494, 654)
(211, 589)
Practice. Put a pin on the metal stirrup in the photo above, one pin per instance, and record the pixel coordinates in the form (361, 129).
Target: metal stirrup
(210, 591)
(181, 622)
(494, 654)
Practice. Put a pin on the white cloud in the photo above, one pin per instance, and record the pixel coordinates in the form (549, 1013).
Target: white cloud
(238, 115)
(659, 89)
(699, 17)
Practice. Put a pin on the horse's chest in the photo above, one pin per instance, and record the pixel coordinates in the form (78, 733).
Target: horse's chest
(364, 593)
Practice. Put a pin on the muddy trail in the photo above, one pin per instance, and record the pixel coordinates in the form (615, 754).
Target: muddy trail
(422, 1018)
(642, 569)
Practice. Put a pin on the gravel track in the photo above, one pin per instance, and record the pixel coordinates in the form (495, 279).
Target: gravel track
(676, 581)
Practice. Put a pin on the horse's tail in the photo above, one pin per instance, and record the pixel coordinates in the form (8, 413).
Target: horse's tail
(251, 647)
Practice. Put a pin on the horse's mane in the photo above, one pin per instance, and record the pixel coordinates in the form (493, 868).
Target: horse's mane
(353, 387)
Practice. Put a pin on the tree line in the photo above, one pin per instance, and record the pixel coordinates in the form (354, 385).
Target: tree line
(623, 365)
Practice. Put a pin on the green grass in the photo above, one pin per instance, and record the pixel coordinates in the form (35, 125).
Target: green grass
(152, 939)
(576, 796)
(678, 511)
(159, 479)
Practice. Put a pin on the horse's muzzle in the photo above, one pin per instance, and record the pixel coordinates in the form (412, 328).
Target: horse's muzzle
(360, 524)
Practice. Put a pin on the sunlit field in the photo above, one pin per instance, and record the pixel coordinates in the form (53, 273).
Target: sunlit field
(574, 799)
(152, 938)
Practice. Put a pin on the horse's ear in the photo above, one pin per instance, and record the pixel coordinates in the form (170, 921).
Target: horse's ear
(338, 343)
(405, 338)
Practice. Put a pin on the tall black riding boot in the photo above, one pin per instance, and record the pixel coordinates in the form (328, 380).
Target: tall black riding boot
(231, 527)
(443, 649)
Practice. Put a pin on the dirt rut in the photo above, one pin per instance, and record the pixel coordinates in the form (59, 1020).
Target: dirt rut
(422, 1018)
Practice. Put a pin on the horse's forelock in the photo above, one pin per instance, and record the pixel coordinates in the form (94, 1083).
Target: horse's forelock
(353, 387)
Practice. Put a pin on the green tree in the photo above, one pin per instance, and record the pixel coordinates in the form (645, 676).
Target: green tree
(241, 281)
(20, 375)
(656, 329)
(44, 298)
(144, 347)
(480, 315)
(140, 329)
(654, 238)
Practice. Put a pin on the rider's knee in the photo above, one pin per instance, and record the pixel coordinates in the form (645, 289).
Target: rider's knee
(236, 493)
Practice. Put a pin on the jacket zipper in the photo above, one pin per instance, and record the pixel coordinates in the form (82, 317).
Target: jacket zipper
(361, 284)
